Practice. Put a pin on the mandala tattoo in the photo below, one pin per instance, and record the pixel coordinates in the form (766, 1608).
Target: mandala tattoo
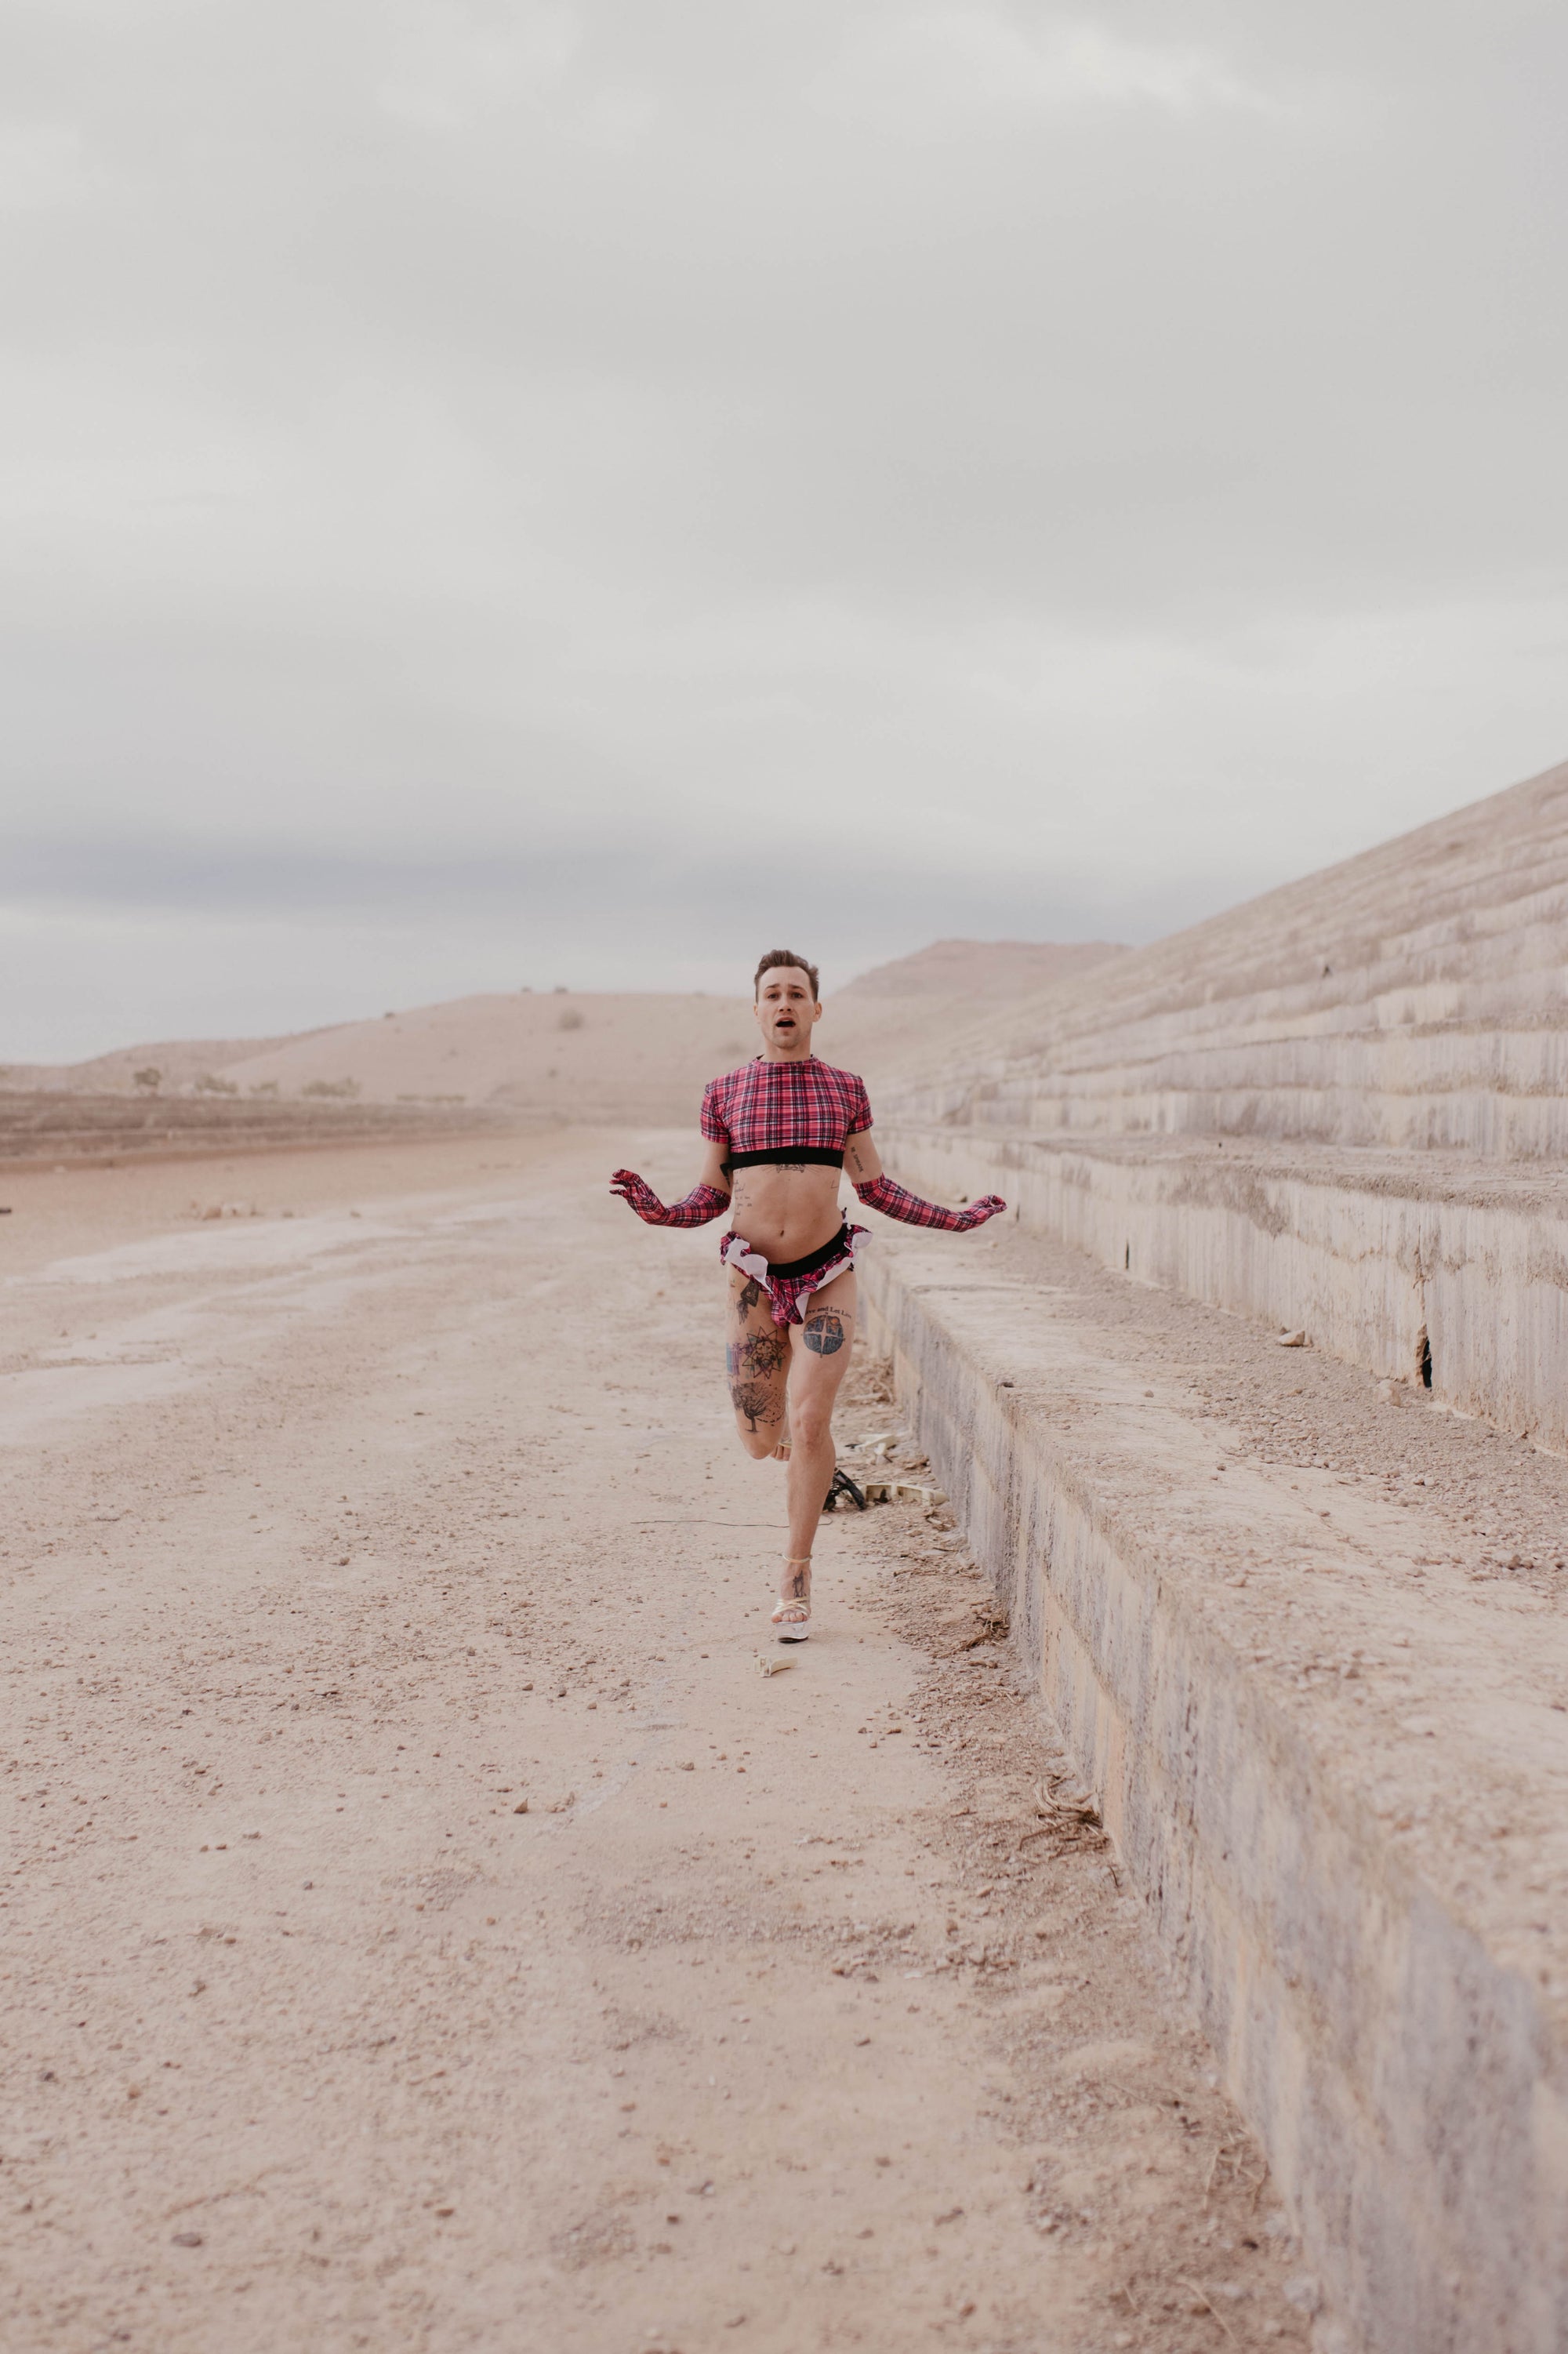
(824, 1332)
(756, 1356)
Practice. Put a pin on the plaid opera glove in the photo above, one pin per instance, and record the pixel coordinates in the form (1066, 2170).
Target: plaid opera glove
(702, 1203)
(891, 1199)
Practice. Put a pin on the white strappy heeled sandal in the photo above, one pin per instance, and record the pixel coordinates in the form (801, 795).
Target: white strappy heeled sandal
(792, 1612)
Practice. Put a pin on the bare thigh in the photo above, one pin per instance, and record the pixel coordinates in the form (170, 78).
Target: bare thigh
(756, 1360)
(820, 1354)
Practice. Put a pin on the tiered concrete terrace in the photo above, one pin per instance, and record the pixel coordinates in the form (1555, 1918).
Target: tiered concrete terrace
(1340, 1108)
(1313, 1658)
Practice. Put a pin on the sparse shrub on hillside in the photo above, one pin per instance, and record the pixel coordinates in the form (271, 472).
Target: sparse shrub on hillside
(147, 1081)
(569, 1018)
(264, 1086)
(345, 1090)
(209, 1084)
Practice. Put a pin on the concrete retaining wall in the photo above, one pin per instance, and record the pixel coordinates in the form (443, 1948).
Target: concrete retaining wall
(1402, 2081)
(1412, 999)
(1374, 1261)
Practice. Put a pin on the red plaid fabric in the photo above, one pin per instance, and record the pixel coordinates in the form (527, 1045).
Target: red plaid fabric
(702, 1204)
(767, 1107)
(884, 1193)
(787, 1293)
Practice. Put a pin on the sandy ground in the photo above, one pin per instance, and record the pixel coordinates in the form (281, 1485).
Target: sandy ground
(332, 1541)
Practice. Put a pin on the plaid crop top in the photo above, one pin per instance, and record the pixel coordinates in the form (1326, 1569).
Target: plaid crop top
(784, 1112)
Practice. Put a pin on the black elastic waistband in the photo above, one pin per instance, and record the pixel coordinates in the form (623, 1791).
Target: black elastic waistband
(814, 1259)
(823, 1153)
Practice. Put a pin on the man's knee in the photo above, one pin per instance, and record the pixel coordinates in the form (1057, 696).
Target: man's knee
(811, 1422)
(758, 1443)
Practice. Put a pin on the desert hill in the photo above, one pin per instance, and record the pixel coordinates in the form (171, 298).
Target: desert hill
(179, 1063)
(899, 1016)
(586, 1056)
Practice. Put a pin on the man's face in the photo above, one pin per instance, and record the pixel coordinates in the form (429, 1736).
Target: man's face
(786, 1010)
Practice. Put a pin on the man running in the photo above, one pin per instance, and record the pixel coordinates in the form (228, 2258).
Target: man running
(778, 1132)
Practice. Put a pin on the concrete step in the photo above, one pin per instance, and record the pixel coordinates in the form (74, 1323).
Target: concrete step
(1413, 998)
(1327, 1724)
(1418, 1267)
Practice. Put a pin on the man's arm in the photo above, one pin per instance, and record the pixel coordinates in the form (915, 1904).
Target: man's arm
(709, 1197)
(862, 1163)
(879, 1191)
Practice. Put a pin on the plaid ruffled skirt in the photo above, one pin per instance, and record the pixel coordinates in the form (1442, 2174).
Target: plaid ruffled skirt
(790, 1281)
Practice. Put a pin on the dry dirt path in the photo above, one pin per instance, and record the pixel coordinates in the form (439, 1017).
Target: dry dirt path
(781, 2019)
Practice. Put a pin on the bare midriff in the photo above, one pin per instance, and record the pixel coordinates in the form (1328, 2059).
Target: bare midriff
(785, 1209)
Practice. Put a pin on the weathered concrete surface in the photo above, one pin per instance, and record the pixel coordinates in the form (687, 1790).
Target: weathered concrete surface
(1413, 998)
(1335, 1762)
(1304, 1109)
(1398, 1263)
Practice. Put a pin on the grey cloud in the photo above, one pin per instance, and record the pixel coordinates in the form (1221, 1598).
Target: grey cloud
(664, 900)
(1087, 464)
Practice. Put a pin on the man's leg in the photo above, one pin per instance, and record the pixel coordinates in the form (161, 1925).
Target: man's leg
(756, 1360)
(819, 1360)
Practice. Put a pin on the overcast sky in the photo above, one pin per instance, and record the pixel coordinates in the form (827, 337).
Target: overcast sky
(497, 493)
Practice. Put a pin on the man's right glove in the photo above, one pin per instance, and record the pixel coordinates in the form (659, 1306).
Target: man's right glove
(701, 1204)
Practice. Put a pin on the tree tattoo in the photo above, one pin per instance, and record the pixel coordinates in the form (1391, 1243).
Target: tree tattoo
(824, 1332)
(759, 1401)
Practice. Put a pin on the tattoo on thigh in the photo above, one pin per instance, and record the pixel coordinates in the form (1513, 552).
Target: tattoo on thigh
(748, 1297)
(824, 1332)
(759, 1401)
(756, 1356)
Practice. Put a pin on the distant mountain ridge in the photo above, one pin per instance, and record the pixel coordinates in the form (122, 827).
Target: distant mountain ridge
(578, 1055)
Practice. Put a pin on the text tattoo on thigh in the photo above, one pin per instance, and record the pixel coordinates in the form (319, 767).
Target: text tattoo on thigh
(824, 1332)
(756, 1356)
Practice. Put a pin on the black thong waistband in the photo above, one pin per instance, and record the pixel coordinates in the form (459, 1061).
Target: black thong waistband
(836, 1248)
